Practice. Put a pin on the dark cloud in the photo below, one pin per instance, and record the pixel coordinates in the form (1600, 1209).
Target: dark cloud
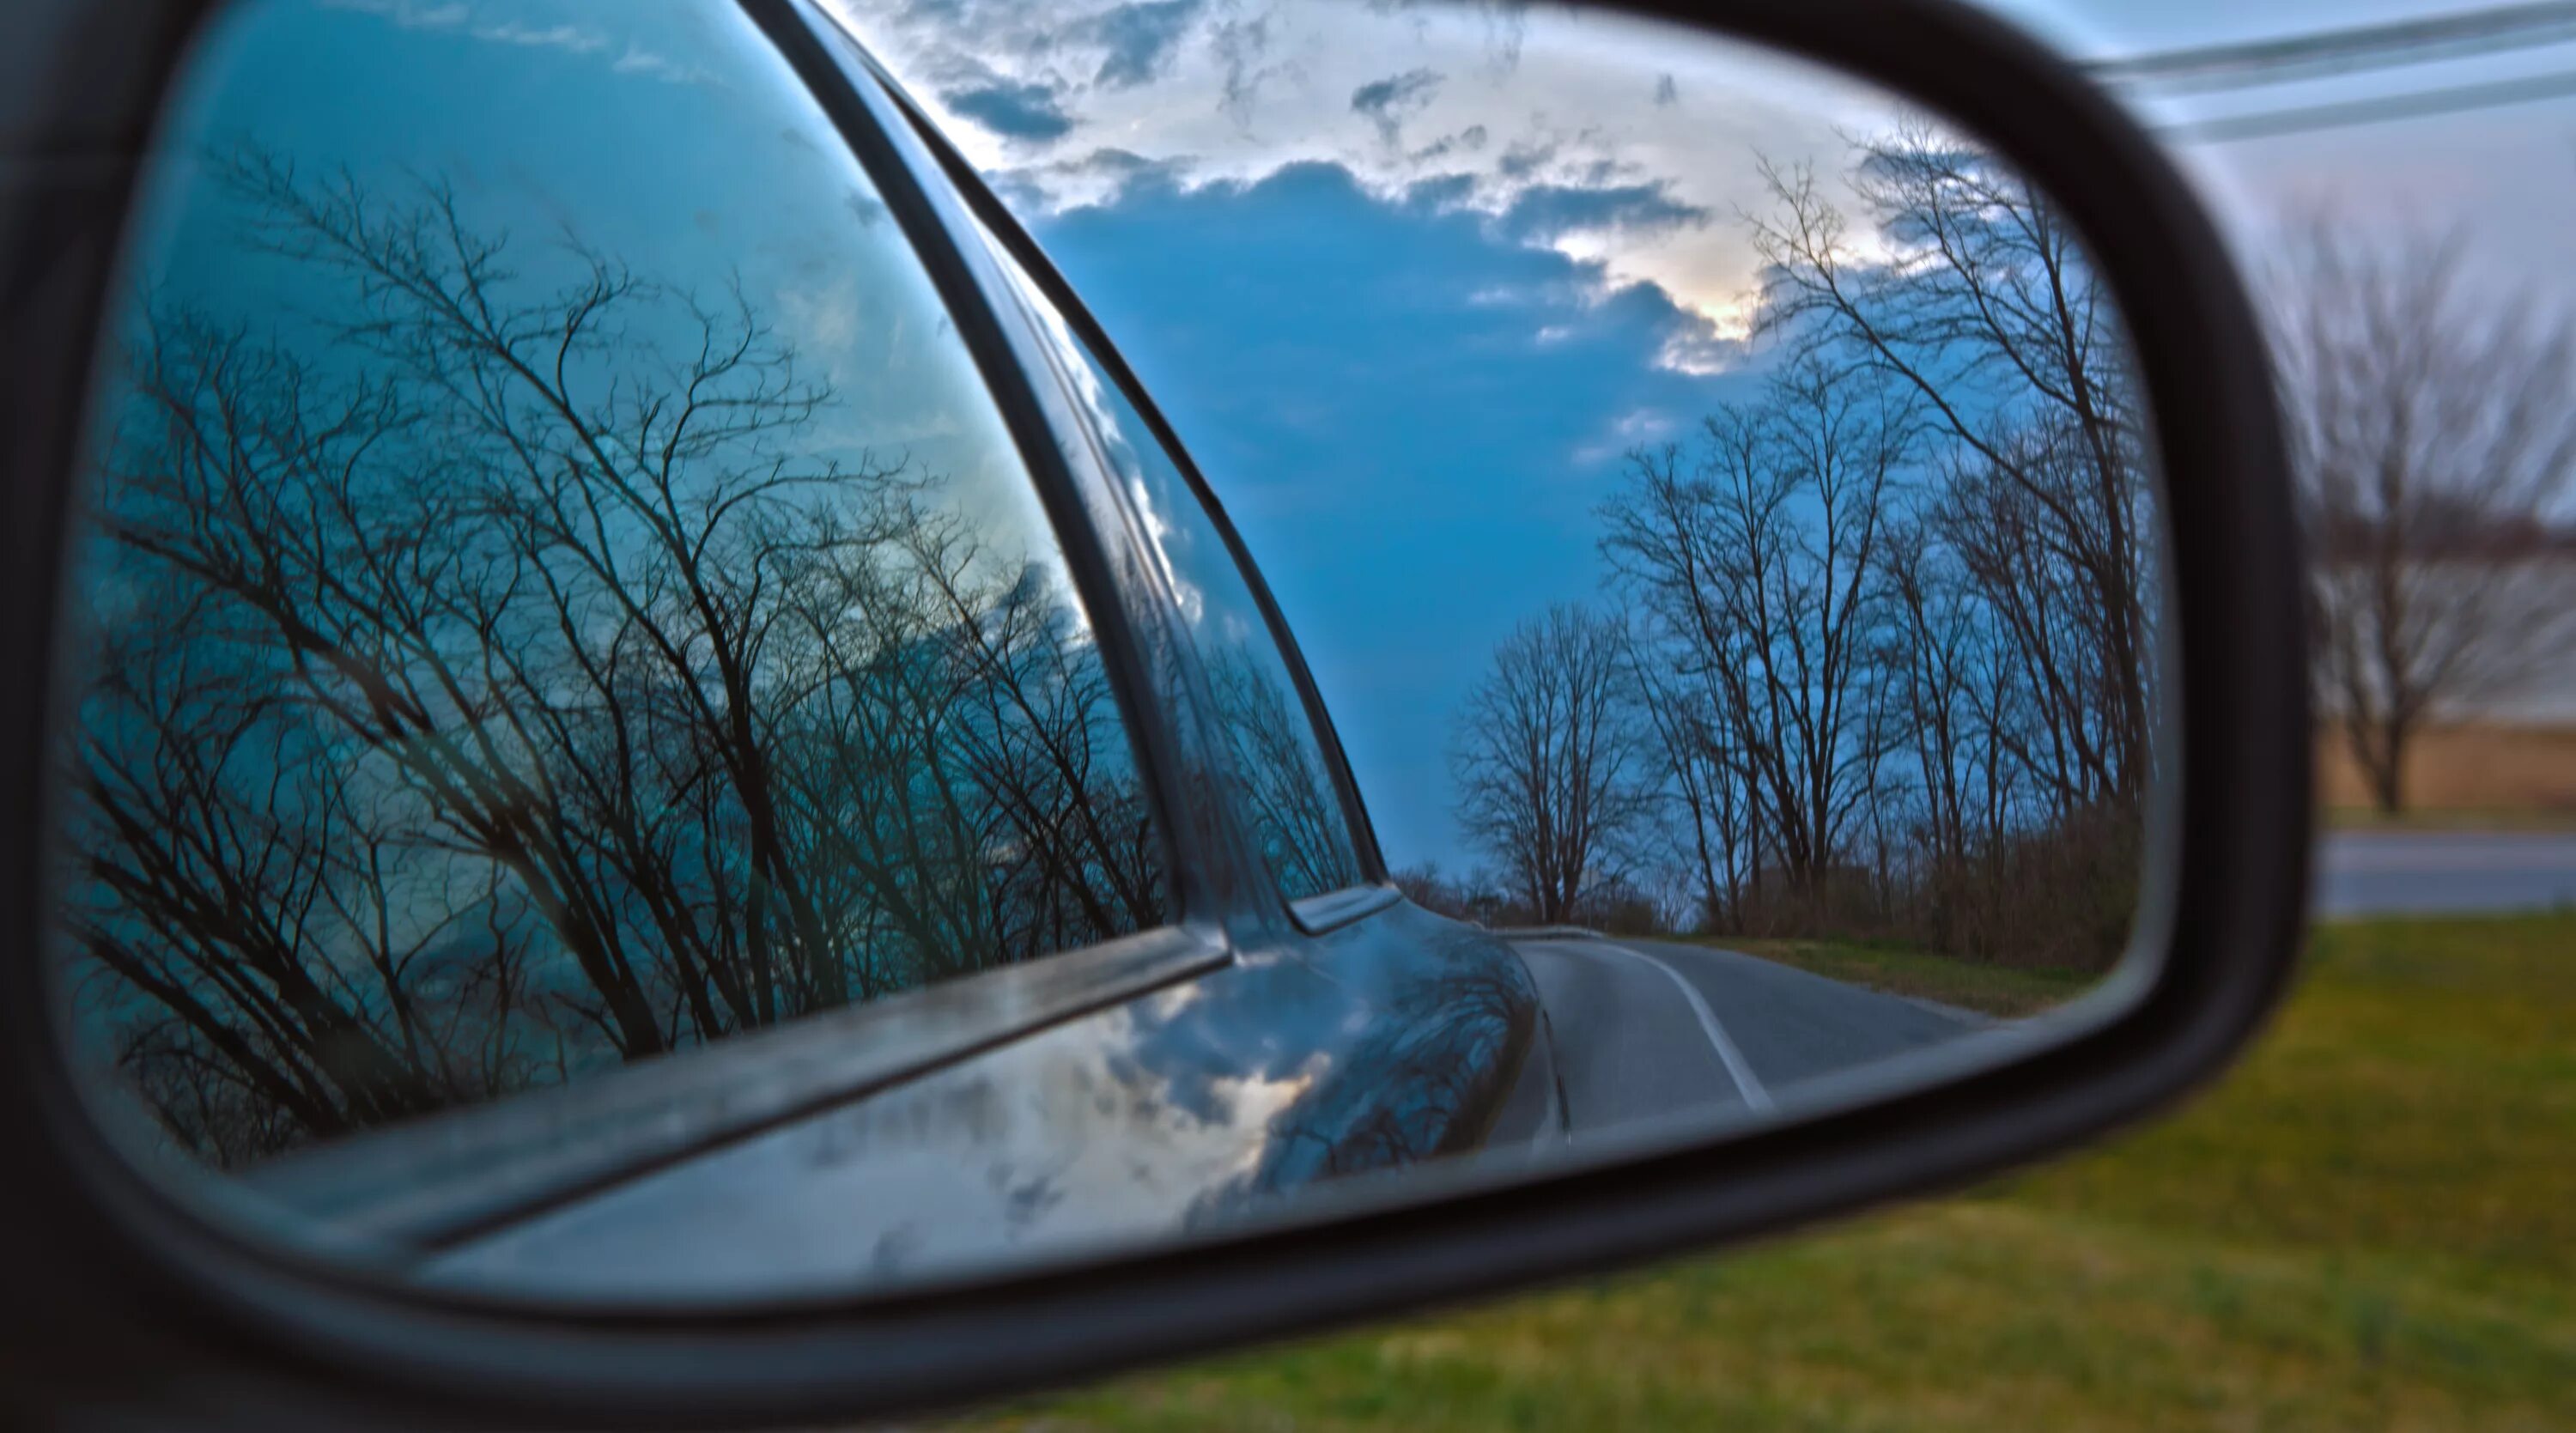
(1666, 92)
(1524, 156)
(1139, 38)
(1243, 45)
(1545, 211)
(1125, 163)
(1391, 101)
(1470, 139)
(1034, 186)
(1441, 192)
(1012, 109)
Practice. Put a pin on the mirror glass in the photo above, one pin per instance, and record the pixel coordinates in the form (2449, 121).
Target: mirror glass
(651, 712)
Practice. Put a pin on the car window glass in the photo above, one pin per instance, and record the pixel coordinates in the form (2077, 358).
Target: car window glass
(1275, 761)
(554, 590)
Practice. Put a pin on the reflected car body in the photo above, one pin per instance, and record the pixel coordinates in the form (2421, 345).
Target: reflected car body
(1160, 1081)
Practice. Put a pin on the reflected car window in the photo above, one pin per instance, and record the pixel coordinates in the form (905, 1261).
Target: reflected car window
(1275, 761)
(554, 590)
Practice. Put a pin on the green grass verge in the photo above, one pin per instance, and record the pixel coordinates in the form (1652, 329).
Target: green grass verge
(2370, 1225)
(1992, 989)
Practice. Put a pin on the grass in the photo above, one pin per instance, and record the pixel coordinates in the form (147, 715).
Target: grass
(2370, 1225)
(1992, 989)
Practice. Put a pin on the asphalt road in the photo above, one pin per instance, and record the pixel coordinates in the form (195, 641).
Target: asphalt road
(2450, 872)
(1645, 1028)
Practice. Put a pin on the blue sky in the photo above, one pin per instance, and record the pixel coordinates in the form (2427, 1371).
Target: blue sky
(1410, 412)
(1408, 278)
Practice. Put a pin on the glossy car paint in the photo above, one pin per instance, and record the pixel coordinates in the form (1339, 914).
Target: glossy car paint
(1392, 1040)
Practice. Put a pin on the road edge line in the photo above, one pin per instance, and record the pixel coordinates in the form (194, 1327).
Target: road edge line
(1737, 1069)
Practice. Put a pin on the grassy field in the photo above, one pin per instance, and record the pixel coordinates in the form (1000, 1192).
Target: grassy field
(2370, 1225)
(1992, 989)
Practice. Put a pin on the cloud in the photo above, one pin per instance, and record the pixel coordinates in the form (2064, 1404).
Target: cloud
(1694, 346)
(1440, 193)
(1389, 102)
(561, 37)
(407, 13)
(1544, 212)
(1667, 92)
(1139, 38)
(1468, 140)
(1099, 177)
(1524, 156)
(570, 39)
(640, 61)
(1014, 109)
(1636, 428)
(1241, 46)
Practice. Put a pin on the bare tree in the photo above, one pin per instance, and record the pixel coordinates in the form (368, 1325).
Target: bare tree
(1983, 306)
(2435, 428)
(1758, 565)
(1897, 610)
(1548, 761)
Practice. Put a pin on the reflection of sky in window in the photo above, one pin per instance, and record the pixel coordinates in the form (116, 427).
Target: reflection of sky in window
(1186, 548)
(625, 130)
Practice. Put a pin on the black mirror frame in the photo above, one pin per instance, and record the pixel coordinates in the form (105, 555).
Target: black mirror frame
(112, 1306)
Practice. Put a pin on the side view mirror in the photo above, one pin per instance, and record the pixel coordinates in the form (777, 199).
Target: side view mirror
(648, 789)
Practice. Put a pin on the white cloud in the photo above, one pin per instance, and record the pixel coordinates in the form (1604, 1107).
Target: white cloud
(568, 38)
(409, 14)
(1499, 102)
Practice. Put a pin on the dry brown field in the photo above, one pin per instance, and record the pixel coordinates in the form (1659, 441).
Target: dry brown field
(2479, 773)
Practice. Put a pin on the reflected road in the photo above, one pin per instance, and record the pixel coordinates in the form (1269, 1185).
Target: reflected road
(2361, 873)
(1645, 1028)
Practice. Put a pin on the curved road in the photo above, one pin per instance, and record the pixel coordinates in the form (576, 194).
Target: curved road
(1646, 1028)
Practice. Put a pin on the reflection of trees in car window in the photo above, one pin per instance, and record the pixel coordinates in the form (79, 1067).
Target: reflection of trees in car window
(1281, 781)
(503, 665)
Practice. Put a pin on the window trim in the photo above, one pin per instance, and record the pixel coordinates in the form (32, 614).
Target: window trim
(1322, 914)
(997, 218)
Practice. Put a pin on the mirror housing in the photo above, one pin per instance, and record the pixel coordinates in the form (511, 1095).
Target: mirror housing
(105, 1281)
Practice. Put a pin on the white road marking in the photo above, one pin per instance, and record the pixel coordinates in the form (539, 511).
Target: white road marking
(1755, 1097)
